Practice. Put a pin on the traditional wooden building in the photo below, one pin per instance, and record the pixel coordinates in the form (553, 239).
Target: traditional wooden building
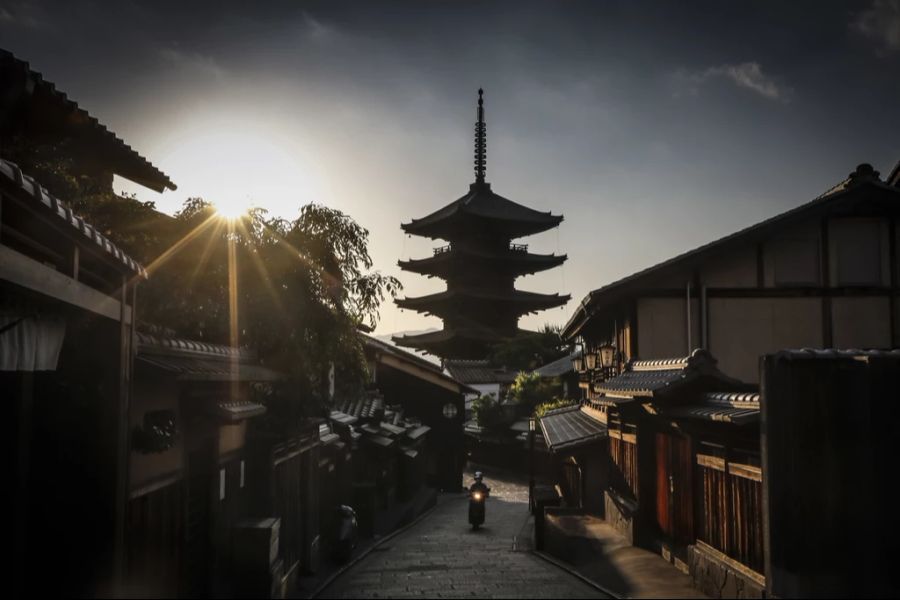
(822, 275)
(668, 452)
(481, 305)
(189, 467)
(66, 318)
(34, 111)
(427, 394)
(829, 434)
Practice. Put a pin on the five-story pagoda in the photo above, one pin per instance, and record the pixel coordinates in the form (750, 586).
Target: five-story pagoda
(480, 306)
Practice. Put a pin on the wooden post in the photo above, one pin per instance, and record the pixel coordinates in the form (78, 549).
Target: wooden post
(766, 367)
(76, 261)
(532, 426)
(126, 332)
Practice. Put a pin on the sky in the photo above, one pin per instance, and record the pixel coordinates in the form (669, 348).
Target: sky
(653, 127)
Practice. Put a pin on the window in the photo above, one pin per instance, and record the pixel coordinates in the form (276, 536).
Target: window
(623, 450)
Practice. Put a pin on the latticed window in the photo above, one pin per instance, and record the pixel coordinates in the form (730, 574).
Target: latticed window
(623, 449)
(730, 485)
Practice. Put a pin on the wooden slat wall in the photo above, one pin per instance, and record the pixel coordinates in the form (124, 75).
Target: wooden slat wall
(731, 517)
(624, 455)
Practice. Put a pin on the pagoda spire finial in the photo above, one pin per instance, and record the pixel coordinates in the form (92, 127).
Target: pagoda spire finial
(480, 141)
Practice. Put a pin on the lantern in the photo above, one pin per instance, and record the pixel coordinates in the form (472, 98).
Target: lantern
(578, 364)
(607, 356)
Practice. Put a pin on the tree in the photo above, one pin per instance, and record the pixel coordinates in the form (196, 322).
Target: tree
(530, 389)
(530, 349)
(489, 412)
(300, 287)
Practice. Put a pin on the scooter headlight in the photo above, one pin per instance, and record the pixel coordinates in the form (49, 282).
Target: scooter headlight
(476, 496)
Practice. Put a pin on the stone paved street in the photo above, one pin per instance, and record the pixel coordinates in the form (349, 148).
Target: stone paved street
(442, 557)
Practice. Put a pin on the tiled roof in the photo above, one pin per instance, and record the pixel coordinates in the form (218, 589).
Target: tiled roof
(233, 412)
(570, 427)
(13, 177)
(650, 378)
(817, 353)
(140, 169)
(510, 261)
(726, 407)
(369, 407)
(199, 361)
(327, 434)
(481, 202)
(150, 343)
(524, 301)
(478, 371)
(558, 367)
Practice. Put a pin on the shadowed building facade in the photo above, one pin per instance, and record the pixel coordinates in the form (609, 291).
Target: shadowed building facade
(481, 305)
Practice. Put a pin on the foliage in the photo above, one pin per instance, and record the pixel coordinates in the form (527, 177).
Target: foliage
(489, 412)
(529, 390)
(301, 286)
(530, 350)
(133, 225)
(544, 407)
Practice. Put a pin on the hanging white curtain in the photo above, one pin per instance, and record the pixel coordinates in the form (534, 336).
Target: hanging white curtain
(30, 342)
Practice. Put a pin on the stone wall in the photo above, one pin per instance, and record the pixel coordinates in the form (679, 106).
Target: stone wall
(717, 579)
(619, 517)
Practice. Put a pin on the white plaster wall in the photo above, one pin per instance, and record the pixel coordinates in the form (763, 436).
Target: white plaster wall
(861, 322)
(734, 270)
(859, 252)
(662, 327)
(742, 329)
(793, 258)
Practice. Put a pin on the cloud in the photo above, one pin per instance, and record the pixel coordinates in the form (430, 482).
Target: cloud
(881, 24)
(747, 75)
(193, 62)
(18, 14)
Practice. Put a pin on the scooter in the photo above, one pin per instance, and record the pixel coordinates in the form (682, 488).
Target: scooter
(476, 508)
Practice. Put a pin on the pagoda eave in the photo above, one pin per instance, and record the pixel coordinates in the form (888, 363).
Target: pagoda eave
(511, 263)
(447, 303)
(453, 342)
(451, 227)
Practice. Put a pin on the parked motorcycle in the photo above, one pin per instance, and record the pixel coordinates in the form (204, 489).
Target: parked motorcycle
(478, 493)
(346, 533)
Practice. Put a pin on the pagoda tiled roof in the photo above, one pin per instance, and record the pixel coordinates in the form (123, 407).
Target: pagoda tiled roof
(481, 203)
(518, 262)
(526, 301)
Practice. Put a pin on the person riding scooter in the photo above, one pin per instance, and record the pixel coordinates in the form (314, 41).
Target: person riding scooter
(478, 493)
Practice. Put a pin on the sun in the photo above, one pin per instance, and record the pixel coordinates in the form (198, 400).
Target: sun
(232, 211)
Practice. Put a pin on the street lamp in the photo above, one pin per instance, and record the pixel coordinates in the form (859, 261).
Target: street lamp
(607, 354)
(532, 428)
(578, 364)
